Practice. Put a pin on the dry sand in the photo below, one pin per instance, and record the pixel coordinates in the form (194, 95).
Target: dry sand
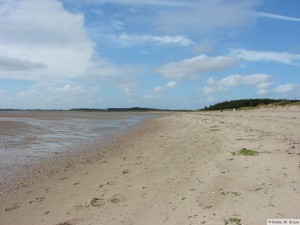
(178, 169)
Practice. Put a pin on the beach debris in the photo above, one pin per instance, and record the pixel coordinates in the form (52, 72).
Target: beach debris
(15, 206)
(126, 171)
(95, 202)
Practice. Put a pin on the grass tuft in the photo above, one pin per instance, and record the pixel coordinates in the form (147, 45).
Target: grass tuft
(234, 221)
(245, 152)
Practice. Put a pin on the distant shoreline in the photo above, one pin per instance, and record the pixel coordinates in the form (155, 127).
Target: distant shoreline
(226, 105)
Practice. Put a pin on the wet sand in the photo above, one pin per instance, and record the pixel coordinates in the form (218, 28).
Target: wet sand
(182, 168)
(38, 143)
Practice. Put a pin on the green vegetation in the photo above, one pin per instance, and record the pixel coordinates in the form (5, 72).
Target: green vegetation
(133, 109)
(228, 192)
(242, 104)
(248, 104)
(215, 130)
(245, 152)
(233, 220)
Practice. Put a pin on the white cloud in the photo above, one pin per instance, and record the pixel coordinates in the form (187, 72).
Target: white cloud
(125, 40)
(286, 88)
(261, 82)
(280, 57)
(33, 95)
(40, 40)
(192, 68)
(155, 92)
(249, 80)
(122, 76)
(159, 89)
(209, 90)
(68, 89)
(171, 84)
(15, 64)
(47, 95)
(279, 17)
(45, 91)
(160, 18)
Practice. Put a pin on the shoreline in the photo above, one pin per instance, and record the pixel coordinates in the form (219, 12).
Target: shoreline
(182, 168)
(60, 162)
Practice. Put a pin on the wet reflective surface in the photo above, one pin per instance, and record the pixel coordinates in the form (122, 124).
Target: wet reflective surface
(29, 137)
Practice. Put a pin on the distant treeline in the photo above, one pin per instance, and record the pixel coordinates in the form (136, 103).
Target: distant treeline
(236, 104)
(133, 109)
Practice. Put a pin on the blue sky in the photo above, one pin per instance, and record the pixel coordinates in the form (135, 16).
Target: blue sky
(148, 53)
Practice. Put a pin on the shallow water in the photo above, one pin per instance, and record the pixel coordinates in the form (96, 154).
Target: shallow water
(29, 137)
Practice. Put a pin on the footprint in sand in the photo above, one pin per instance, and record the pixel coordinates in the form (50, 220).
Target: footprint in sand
(65, 223)
(15, 206)
(40, 199)
(108, 183)
(96, 202)
(70, 222)
(117, 198)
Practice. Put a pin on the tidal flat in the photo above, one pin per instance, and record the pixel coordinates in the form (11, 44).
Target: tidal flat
(32, 140)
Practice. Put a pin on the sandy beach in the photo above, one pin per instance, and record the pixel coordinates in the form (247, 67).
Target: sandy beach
(181, 168)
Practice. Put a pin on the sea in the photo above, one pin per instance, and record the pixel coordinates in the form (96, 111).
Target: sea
(29, 138)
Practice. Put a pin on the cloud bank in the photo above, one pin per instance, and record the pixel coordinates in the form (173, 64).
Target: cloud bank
(42, 41)
(192, 68)
(266, 56)
(125, 40)
(260, 81)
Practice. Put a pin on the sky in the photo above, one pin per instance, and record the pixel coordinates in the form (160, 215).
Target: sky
(167, 54)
